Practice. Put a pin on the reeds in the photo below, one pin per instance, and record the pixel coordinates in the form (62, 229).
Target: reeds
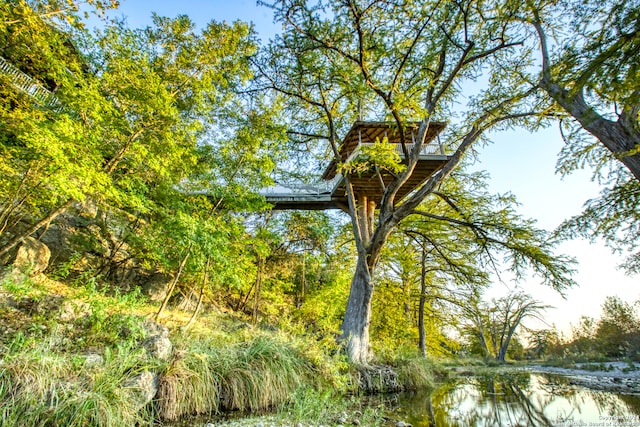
(248, 376)
(39, 387)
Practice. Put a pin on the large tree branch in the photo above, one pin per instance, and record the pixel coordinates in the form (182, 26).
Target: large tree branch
(621, 138)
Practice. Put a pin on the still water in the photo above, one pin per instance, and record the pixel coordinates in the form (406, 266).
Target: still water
(515, 400)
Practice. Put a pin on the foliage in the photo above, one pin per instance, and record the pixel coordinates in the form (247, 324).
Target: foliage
(220, 364)
(618, 329)
(614, 335)
(589, 69)
(544, 343)
(144, 111)
(45, 375)
(41, 386)
(415, 372)
(613, 217)
(379, 156)
(590, 52)
(443, 256)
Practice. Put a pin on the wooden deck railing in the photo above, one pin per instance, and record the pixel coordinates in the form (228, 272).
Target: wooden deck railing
(29, 85)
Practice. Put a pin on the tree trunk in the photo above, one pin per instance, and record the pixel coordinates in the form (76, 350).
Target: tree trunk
(421, 330)
(622, 137)
(167, 297)
(205, 282)
(502, 355)
(357, 318)
(195, 313)
(423, 300)
(481, 337)
(256, 301)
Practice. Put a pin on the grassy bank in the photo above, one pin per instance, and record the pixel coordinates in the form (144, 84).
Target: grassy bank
(74, 356)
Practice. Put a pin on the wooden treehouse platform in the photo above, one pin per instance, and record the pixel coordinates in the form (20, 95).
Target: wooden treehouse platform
(330, 193)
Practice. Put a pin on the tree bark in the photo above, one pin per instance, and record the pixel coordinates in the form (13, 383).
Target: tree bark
(619, 137)
(481, 337)
(422, 303)
(258, 288)
(357, 318)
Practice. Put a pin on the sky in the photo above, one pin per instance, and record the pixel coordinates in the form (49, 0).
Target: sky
(518, 162)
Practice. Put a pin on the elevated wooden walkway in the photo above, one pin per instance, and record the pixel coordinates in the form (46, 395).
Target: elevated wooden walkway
(29, 85)
(306, 202)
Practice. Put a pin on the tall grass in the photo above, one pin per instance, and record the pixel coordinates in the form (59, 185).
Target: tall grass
(248, 376)
(415, 372)
(39, 387)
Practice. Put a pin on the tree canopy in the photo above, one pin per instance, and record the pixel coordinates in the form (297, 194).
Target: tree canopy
(338, 61)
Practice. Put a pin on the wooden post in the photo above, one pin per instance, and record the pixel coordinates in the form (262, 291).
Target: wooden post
(371, 215)
(363, 220)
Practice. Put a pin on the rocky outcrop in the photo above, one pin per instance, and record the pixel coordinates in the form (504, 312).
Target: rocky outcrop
(155, 287)
(142, 388)
(73, 310)
(374, 379)
(32, 257)
(157, 343)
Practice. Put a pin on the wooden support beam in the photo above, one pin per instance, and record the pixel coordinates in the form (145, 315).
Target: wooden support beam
(361, 212)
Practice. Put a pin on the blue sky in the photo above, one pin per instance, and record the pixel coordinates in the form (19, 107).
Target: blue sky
(518, 162)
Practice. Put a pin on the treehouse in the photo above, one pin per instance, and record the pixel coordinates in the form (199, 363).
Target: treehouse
(368, 180)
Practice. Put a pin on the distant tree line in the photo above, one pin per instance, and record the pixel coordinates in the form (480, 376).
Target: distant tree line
(615, 334)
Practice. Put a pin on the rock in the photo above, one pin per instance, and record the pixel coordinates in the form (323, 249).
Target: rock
(93, 360)
(157, 343)
(152, 328)
(159, 347)
(142, 388)
(87, 209)
(32, 257)
(60, 237)
(72, 310)
(156, 287)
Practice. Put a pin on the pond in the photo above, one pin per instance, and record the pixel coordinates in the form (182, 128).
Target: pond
(509, 398)
(515, 399)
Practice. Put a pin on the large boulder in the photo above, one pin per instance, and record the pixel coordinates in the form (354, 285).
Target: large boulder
(158, 347)
(32, 257)
(157, 286)
(157, 343)
(142, 388)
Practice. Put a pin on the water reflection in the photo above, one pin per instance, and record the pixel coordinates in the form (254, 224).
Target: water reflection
(517, 400)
